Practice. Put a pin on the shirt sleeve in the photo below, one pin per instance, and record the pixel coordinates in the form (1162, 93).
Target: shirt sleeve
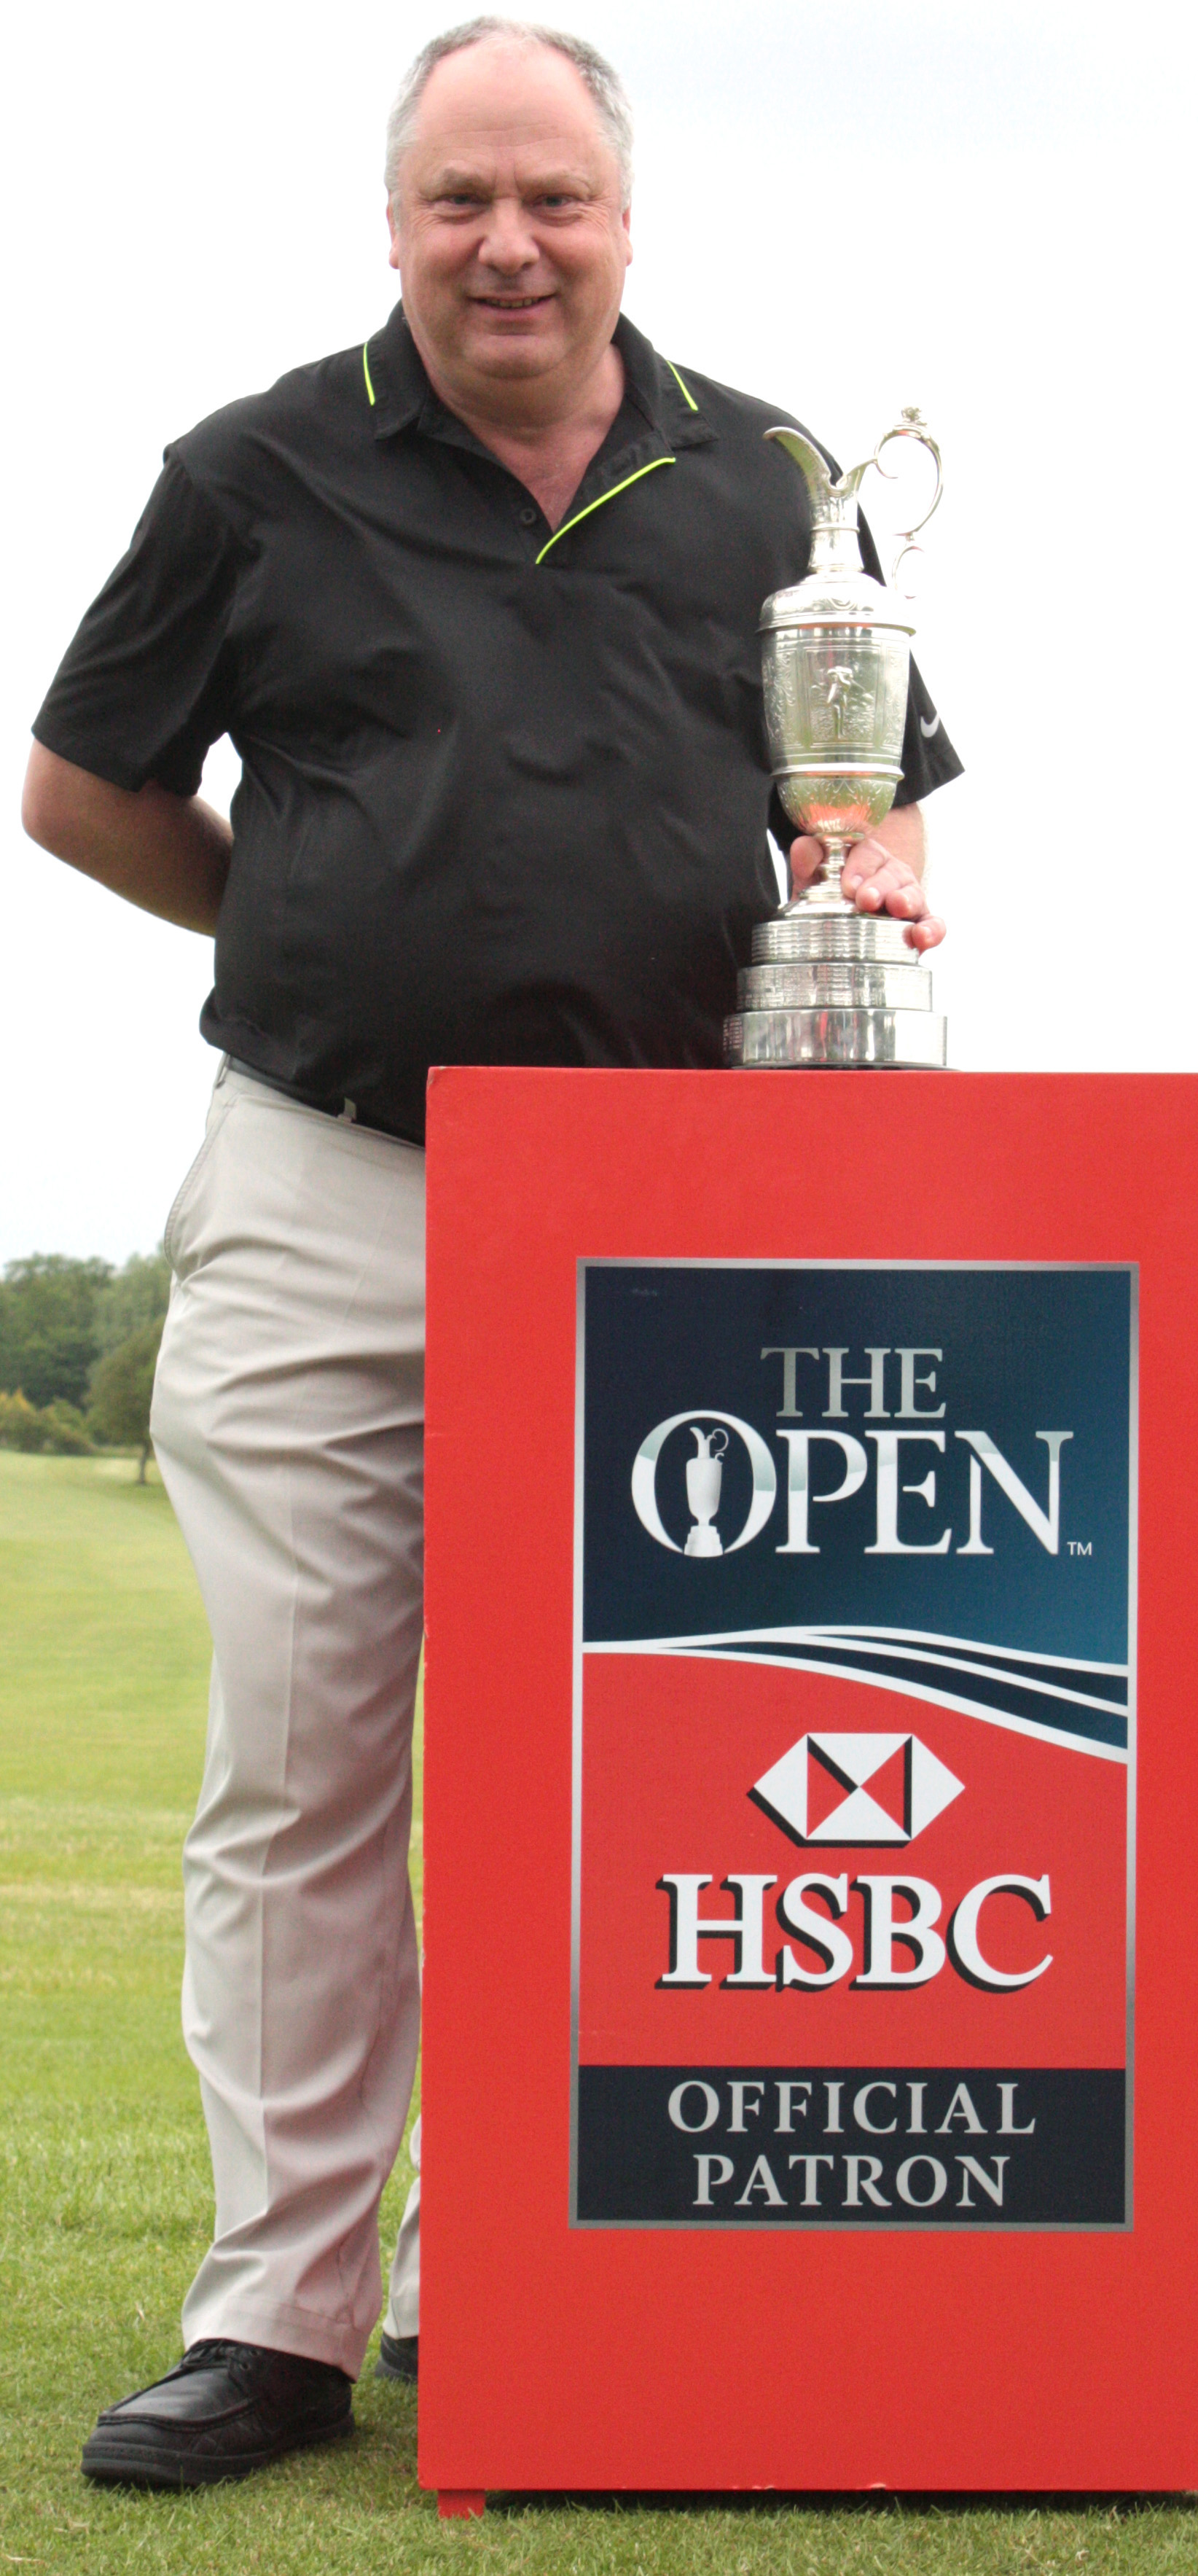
(147, 685)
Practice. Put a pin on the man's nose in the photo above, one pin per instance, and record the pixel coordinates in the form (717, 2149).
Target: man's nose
(508, 241)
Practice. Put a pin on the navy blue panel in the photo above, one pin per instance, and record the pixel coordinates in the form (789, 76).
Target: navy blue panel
(1024, 1350)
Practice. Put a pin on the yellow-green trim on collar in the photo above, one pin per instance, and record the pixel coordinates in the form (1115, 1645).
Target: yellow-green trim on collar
(684, 390)
(370, 387)
(567, 524)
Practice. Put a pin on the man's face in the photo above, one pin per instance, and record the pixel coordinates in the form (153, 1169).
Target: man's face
(507, 231)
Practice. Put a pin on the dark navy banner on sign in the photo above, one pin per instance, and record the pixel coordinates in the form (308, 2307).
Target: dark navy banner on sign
(932, 1462)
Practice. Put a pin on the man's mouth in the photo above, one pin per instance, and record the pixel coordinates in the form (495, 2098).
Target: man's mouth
(510, 303)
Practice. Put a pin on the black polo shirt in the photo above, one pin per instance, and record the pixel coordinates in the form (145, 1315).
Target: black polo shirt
(504, 791)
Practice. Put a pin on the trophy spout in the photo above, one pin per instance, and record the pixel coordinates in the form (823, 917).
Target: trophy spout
(815, 472)
(834, 539)
(810, 463)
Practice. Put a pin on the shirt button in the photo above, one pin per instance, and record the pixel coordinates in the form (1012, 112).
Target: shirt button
(528, 518)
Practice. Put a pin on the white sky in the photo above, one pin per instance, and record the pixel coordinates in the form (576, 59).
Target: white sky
(985, 209)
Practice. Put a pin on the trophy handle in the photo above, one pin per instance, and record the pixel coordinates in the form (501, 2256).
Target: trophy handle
(910, 425)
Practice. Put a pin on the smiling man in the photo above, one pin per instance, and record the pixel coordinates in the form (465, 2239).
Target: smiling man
(477, 605)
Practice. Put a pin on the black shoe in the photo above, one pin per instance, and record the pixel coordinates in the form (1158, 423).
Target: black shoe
(227, 2409)
(399, 2357)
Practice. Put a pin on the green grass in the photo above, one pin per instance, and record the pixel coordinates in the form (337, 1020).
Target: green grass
(104, 2185)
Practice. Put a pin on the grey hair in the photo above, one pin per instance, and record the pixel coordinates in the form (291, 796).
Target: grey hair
(605, 85)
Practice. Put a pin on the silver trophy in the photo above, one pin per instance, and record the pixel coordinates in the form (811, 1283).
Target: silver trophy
(830, 985)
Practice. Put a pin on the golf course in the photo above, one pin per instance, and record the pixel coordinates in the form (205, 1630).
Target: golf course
(106, 2190)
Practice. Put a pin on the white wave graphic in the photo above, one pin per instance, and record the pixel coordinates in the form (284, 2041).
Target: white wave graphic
(858, 1653)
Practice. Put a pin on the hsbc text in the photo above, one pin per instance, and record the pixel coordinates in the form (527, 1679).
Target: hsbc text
(900, 1944)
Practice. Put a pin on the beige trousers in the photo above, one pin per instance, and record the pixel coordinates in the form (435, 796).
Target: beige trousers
(288, 1422)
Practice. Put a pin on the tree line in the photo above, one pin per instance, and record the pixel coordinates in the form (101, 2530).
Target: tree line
(78, 1344)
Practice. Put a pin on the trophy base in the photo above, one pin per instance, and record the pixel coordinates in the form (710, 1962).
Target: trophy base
(835, 988)
(807, 936)
(829, 984)
(703, 1541)
(917, 1040)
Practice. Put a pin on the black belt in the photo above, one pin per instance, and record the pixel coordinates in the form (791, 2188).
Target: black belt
(345, 1110)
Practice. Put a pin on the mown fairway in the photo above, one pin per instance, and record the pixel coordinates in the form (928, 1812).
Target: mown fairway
(103, 1682)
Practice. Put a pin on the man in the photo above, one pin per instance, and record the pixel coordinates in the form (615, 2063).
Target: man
(477, 605)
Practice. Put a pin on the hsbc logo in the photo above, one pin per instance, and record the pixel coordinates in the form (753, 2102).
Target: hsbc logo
(856, 1789)
(817, 1793)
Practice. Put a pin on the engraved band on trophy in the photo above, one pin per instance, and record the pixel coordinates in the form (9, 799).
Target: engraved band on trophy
(830, 985)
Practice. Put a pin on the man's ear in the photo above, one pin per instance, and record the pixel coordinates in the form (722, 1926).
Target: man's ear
(393, 229)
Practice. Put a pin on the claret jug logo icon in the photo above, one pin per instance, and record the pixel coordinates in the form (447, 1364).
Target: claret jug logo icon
(854, 1579)
(704, 1482)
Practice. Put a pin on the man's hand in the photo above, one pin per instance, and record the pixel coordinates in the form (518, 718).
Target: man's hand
(881, 874)
(167, 854)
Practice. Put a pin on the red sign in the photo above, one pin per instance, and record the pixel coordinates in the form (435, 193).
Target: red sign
(793, 1445)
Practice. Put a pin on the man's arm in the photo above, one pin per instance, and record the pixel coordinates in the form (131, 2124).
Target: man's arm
(167, 854)
(883, 873)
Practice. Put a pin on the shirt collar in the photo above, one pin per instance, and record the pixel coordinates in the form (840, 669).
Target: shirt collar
(394, 373)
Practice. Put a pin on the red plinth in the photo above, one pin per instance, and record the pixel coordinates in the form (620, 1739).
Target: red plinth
(792, 2116)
